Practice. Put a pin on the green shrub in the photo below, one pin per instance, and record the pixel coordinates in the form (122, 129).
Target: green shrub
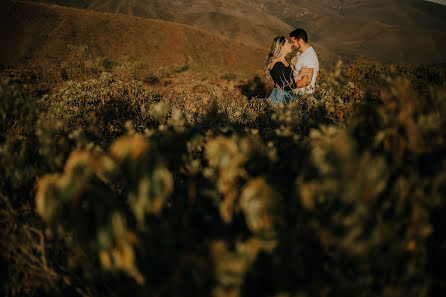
(16, 109)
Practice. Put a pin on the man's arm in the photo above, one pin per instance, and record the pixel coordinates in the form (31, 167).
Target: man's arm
(304, 77)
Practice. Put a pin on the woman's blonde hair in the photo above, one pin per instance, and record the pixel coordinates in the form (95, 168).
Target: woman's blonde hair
(276, 50)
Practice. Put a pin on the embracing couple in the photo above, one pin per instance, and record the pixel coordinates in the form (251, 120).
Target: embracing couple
(295, 80)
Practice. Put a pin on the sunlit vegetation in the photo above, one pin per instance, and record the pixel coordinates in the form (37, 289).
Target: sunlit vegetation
(122, 180)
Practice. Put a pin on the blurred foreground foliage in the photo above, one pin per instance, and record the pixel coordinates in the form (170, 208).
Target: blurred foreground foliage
(115, 181)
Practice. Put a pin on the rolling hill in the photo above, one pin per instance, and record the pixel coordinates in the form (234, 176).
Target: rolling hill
(412, 31)
(38, 33)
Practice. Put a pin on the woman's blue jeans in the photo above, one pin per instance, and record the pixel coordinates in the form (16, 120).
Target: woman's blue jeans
(285, 97)
(282, 96)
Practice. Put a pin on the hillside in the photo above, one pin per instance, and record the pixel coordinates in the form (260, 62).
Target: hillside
(38, 33)
(236, 19)
(411, 31)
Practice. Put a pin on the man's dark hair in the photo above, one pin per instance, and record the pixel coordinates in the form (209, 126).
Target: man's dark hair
(299, 34)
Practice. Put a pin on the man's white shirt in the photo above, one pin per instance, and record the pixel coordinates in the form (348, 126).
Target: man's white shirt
(307, 59)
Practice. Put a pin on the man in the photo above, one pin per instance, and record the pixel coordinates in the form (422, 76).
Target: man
(306, 58)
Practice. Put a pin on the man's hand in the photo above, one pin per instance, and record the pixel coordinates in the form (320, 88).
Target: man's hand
(304, 77)
(304, 71)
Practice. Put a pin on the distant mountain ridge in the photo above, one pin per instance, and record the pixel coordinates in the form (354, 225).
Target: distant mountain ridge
(412, 31)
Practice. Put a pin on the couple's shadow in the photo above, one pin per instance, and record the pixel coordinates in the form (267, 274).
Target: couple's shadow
(254, 88)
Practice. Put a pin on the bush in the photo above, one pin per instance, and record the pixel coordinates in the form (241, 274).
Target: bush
(204, 194)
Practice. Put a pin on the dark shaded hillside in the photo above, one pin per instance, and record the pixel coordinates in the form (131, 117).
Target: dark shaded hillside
(417, 14)
(388, 31)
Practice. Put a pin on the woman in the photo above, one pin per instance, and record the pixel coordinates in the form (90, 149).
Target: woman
(281, 72)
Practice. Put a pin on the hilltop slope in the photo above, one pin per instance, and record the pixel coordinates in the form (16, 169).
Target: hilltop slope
(37, 32)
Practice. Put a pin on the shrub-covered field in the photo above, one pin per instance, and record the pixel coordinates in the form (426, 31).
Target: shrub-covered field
(122, 180)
